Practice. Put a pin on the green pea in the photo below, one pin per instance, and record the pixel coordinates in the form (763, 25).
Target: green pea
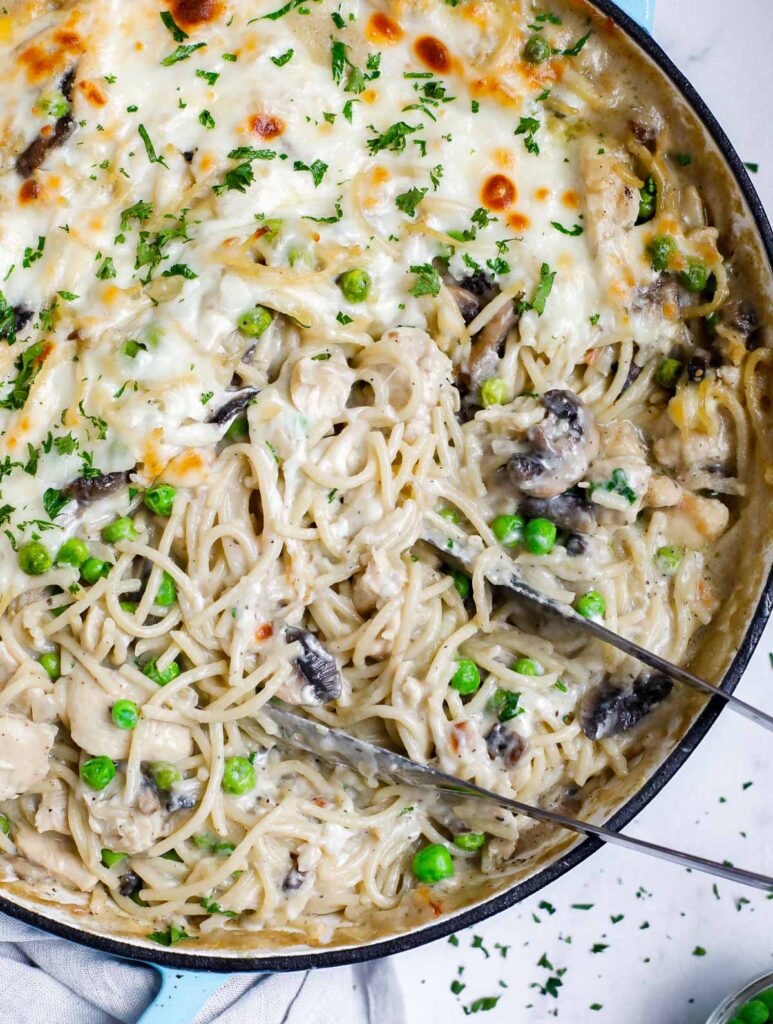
(132, 348)
(648, 201)
(355, 285)
(51, 664)
(667, 559)
(766, 997)
(151, 670)
(540, 536)
(121, 529)
(34, 558)
(527, 667)
(160, 499)
(208, 842)
(111, 857)
(591, 606)
(5, 825)
(254, 322)
(695, 277)
(238, 776)
(660, 250)
(172, 855)
(493, 391)
(164, 774)
(166, 594)
(73, 552)
(432, 864)
(466, 677)
(461, 583)
(130, 607)
(239, 429)
(94, 569)
(52, 104)
(470, 840)
(451, 514)
(754, 1012)
(537, 49)
(97, 772)
(508, 530)
(668, 373)
(125, 714)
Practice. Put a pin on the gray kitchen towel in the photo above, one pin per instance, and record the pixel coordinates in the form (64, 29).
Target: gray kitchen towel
(43, 979)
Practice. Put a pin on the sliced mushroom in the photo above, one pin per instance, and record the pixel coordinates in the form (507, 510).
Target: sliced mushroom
(571, 510)
(646, 125)
(236, 403)
(294, 878)
(487, 348)
(183, 795)
(576, 545)
(506, 744)
(739, 323)
(88, 489)
(610, 709)
(563, 445)
(129, 883)
(470, 293)
(316, 667)
(33, 156)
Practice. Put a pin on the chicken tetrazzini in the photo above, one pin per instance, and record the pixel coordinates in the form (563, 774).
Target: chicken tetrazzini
(284, 291)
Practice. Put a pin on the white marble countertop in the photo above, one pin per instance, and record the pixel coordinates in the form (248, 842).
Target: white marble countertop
(649, 921)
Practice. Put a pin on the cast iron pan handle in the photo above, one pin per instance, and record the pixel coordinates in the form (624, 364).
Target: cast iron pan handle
(183, 993)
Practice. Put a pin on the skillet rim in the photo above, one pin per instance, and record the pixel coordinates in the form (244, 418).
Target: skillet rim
(227, 964)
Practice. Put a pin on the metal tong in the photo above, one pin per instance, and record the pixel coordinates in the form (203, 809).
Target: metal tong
(372, 761)
(507, 575)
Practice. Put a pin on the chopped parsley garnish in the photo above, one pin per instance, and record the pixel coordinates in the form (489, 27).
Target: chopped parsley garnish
(206, 119)
(182, 52)
(174, 933)
(33, 255)
(573, 50)
(334, 219)
(107, 269)
(574, 231)
(206, 396)
(180, 270)
(28, 365)
(541, 293)
(214, 908)
(427, 280)
(210, 77)
(316, 169)
(283, 58)
(177, 33)
(280, 13)
(149, 147)
(617, 484)
(393, 138)
(343, 318)
(54, 501)
(528, 127)
(66, 296)
(140, 211)
(7, 320)
(338, 59)
(408, 201)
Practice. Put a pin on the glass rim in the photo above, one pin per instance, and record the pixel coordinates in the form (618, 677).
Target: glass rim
(733, 1002)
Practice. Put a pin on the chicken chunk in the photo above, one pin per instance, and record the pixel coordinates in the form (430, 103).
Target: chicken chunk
(612, 206)
(383, 578)
(696, 521)
(24, 750)
(320, 387)
(57, 855)
(51, 815)
(91, 727)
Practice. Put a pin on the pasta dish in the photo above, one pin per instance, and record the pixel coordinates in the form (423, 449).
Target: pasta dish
(309, 314)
